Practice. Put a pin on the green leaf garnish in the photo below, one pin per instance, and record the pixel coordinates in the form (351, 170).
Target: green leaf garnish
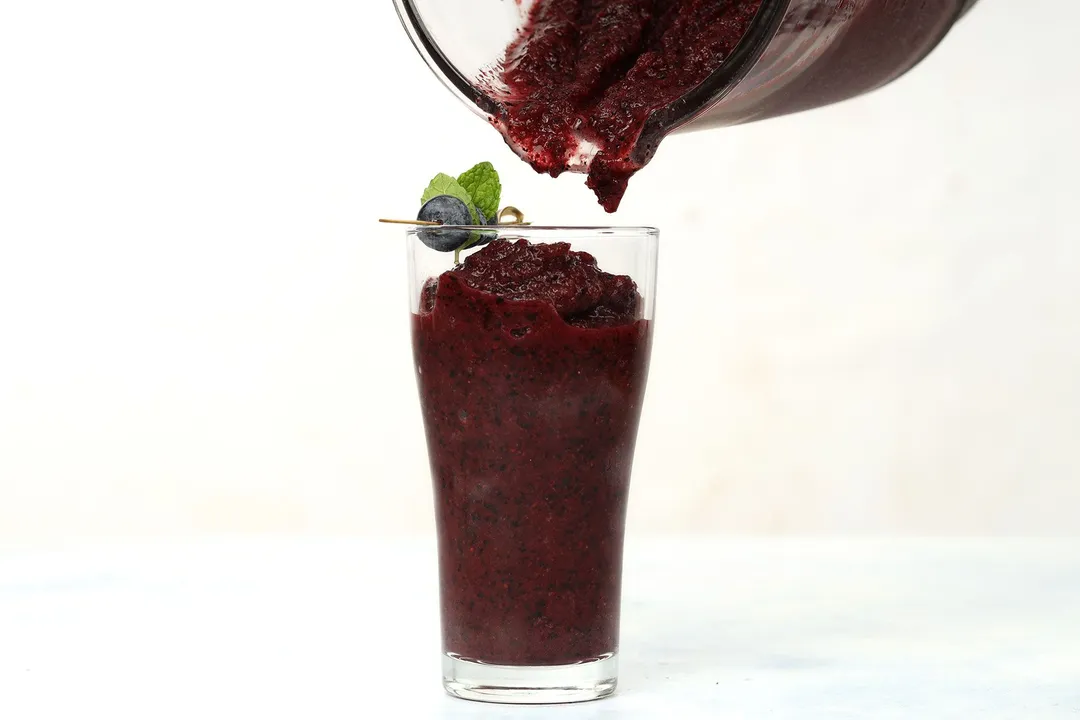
(443, 184)
(484, 188)
(480, 189)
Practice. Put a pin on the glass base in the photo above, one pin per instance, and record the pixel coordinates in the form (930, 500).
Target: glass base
(530, 684)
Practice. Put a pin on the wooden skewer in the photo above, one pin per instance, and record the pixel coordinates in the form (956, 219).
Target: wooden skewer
(408, 222)
(515, 217)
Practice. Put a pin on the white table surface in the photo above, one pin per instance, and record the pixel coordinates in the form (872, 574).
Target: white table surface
(288, 628)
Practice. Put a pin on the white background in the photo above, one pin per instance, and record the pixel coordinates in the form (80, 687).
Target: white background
(869, 315)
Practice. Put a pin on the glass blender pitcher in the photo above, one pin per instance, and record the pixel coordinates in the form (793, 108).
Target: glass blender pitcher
(796, 55)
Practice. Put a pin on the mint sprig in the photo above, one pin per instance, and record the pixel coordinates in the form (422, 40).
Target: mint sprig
(479, 188)
(482, 183)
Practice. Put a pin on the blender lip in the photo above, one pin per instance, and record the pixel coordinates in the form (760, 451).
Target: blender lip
(733, 69)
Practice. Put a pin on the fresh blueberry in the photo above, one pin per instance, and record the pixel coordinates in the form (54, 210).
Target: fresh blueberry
(446, 210)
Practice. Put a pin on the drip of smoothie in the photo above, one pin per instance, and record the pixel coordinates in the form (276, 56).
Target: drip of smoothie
(585, 75)
(531, 364)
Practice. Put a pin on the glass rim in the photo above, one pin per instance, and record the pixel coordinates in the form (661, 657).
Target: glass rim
(620, 229)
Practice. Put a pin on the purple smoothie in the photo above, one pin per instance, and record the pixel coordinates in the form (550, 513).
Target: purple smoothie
(531, 364)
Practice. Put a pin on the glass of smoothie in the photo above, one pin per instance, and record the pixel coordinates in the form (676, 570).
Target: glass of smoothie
(531, 358)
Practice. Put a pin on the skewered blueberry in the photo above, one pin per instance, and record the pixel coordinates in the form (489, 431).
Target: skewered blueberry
(446, 210)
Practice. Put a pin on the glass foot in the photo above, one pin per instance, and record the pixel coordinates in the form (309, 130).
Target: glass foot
(530, 684)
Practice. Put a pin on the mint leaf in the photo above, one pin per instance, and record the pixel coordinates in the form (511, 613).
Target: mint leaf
(483, 185)
(443, 184)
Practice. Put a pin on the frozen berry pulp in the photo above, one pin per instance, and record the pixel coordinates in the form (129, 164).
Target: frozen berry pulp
(581, 293)
(593, 71)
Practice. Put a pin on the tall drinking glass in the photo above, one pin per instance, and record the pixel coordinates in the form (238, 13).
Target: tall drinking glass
(531, 416)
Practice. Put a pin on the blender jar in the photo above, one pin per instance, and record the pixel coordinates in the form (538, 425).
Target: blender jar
(796, 55)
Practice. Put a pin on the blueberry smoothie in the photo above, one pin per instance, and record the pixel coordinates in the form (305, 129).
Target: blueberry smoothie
(531, 363)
